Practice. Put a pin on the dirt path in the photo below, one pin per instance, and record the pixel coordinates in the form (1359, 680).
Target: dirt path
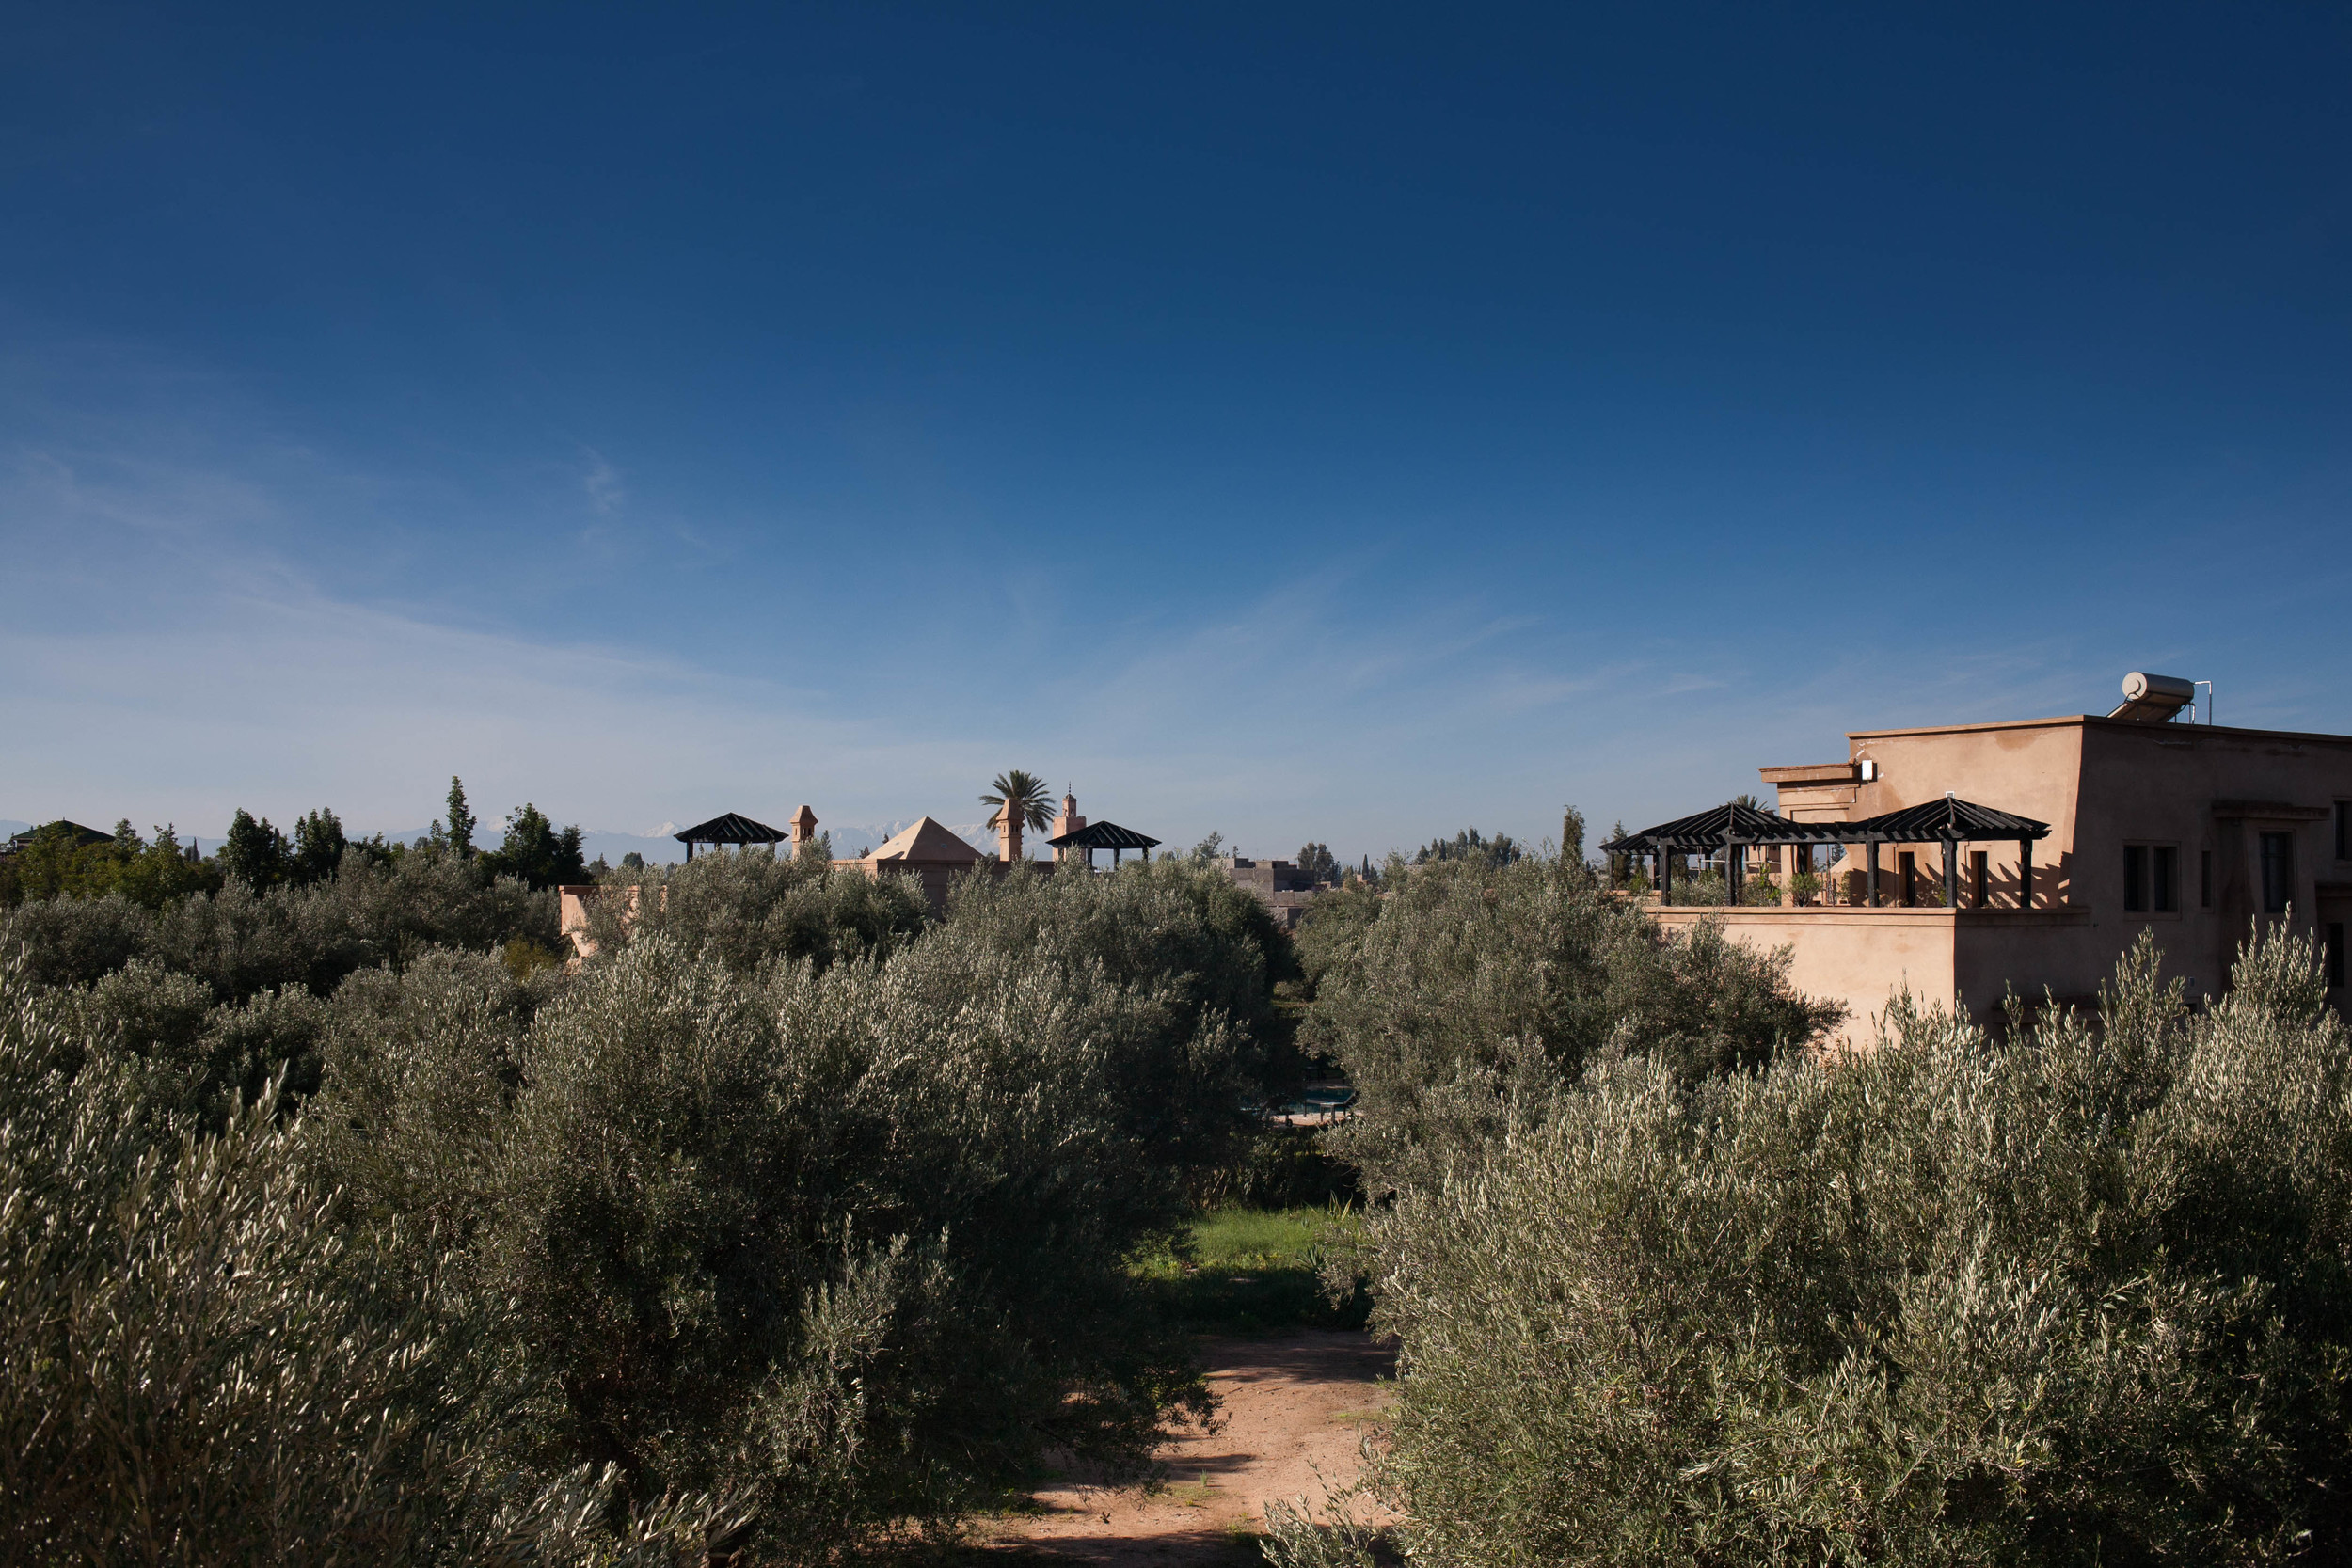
(1290, 1405)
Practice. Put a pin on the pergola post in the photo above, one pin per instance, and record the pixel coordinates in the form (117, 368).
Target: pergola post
(1873, 845)
(2024, 873)
(1951, 873)
(1665, 877)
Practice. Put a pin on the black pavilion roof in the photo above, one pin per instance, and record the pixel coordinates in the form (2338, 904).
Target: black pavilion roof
(730, 828)
(1706, 830)
(1950, 817)
(1103, 835)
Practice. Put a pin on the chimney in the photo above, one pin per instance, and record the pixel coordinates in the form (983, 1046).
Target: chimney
(804, 826)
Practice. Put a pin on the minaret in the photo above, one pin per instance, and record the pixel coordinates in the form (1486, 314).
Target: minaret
(803, 825)
(1068, 822)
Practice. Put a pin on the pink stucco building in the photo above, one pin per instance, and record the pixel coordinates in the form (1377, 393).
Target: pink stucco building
(2192, 831)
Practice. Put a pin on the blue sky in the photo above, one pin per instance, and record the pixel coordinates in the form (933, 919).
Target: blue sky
(1301, 422)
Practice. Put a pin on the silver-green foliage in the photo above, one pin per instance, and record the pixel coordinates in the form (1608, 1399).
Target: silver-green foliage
(842, 1244)
(1206, 951)
(201, 1364)
(2079, 1295)
(212, 1056)
(1473, 996)
(749, 908)
(239, 942)
(548, 1263)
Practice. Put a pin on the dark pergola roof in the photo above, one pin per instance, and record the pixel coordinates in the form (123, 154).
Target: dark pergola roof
(1950, 817)
(1706, 829)
(1730, 828)
(1103, 835)
(730, 828)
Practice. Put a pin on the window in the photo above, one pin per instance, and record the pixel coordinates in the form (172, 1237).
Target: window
(2343, 829)
(2278, 872)
(2204, 879)
(1977, 877)
(2152, 878)
(1907, 876)
(2335, 953)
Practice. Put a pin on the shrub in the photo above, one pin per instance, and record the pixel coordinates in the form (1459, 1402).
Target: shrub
(847, 1243)
(200, 1363)
(206, 1059)
(1465, 1001)
(1280, 1167)
(239, 942)
(1207, 950)
(826, 1214)
(748, 909)
(74, 940)
(191, 1374)
(2083, 1294)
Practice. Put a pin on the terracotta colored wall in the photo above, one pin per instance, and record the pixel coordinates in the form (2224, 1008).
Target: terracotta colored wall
(1863, 958)
(573, 911)
(2101, 785)
(1858, 958)
(2031, 769)
(2159, 785)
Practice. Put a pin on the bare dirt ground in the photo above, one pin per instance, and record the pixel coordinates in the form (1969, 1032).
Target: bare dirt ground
(1294, 1408)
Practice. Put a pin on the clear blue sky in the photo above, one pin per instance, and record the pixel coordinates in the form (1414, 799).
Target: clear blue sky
(1302, 421)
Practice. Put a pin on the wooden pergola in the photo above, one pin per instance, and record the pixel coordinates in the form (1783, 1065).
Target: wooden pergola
(1726, 830)
(1104, 836)
(1953, 822)
(729, 829)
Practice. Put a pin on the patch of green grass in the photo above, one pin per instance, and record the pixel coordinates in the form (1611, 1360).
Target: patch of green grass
(1248, 1238)
(1242, 1270)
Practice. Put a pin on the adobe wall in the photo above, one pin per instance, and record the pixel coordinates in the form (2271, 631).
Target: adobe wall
(572, 906)
(1862, 959)
(2031, 769)
(2102, 785)
(1858, 958)
(2212, 791)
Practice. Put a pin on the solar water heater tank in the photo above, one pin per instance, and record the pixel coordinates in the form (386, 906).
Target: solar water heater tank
(2155, 699)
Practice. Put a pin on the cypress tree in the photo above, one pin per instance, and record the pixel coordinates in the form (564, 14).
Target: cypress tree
(461, 821)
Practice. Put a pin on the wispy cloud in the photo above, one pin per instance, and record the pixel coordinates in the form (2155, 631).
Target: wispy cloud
(184, 640)
(601, 483)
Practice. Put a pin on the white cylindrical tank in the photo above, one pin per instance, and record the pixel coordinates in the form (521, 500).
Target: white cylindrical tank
(2141, 686)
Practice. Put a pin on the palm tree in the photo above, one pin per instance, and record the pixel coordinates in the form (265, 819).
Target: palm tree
(1023, 794)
